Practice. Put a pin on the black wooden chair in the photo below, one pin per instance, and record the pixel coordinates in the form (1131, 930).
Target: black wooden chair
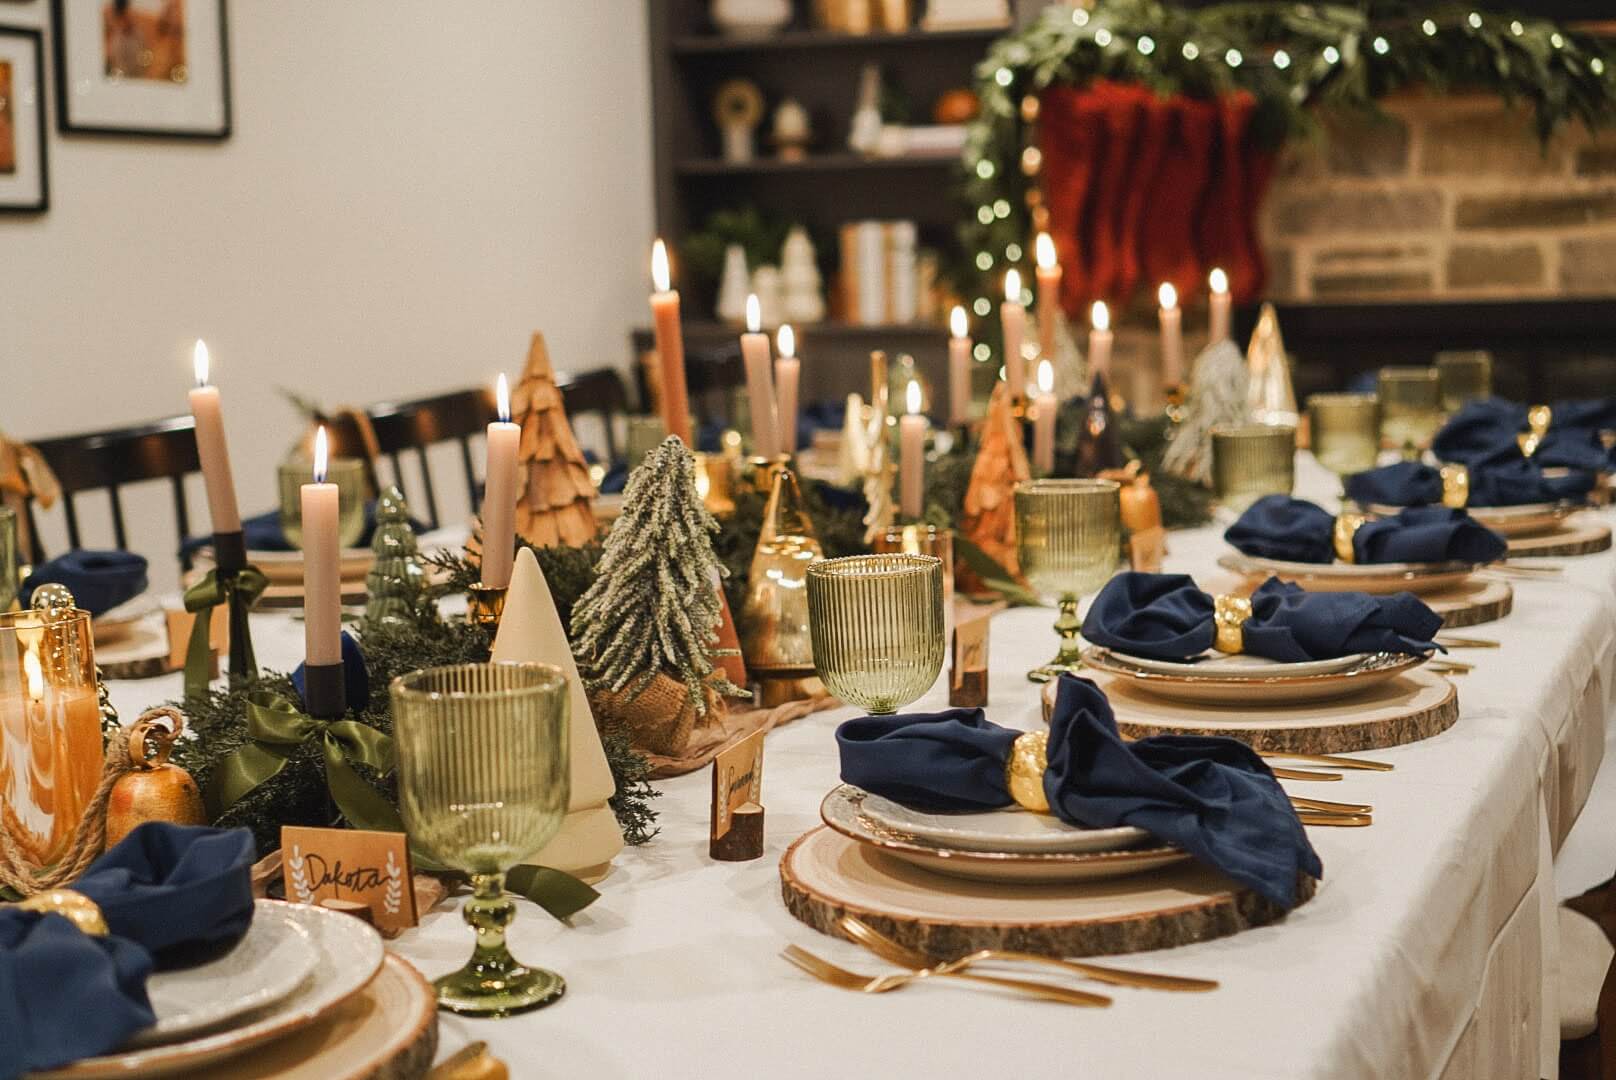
(601, 393)
(415, 426)
(111, 460)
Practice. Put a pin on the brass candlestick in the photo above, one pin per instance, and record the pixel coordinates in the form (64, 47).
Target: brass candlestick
(485, 604)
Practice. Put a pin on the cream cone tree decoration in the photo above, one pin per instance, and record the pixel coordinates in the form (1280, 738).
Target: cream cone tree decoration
(554, 507)
(1268, 391)
(530, 632)
(1001, 463)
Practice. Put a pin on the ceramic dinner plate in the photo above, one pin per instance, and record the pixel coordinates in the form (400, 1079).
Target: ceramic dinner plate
(1377, 578)
(1275, 690)
(1009, 830)
(1216, 665)
(266, 965)
(1524, 520)
(350, 953)
(842, 810)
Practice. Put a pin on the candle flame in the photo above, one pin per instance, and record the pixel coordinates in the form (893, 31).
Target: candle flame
(1046, 377)
(1100, 316)
(660, 276)
(754, 314)
(786, 340)
(199, 361)
(320, 455)
(1167, 295)
(1045, 245)
(956, 321)
(1218, 280)
(912, 396)
(502, 398)
(36, 674)
(1012, 286)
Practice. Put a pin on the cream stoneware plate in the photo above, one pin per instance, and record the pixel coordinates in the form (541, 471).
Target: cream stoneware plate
(1275, 690)
(267, 964)
(842, 811)
(350, 953)
(1009, 830)
(1377, 578)
(1216, 665)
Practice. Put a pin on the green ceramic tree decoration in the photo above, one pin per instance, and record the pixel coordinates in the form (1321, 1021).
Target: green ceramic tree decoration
(396, 581)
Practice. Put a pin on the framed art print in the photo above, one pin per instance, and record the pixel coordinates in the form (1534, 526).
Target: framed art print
(23, 182)
(142, 67)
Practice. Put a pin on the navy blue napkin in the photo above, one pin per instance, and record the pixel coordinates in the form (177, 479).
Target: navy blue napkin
(99, 580)
(1166, 617)
(1213, 797)
(1485, 427)
(1506, 478)
(355, 676)
(1282, 527)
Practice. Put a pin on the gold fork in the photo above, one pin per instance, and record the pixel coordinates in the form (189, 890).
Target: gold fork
(1332, 760)
(1331, 807)
(1343, 821)
(1302, 774)
(827, 972)
(894, 952)
(1453, 641)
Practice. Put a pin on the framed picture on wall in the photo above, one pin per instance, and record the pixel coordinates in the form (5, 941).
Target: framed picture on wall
(142, 67)
(23, 181)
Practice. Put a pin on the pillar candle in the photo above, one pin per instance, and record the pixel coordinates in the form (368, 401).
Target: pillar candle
(759, 383)
(787, 370)
(1043, 430)
(1100, 338)
(1049, 280)
(322, 578)
(1219, 312)
(1172, 335)
(1013, 317)
(211, 447)
(959, 369)
(499, 493)
(670, 345)
(912, 451)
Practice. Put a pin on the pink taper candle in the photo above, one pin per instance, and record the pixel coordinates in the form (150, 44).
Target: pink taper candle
(1049, 281)
(787, 372)
(759, 383)
(1100, 338)
(499, 493)
(670, 344)
(959, 369)
(211, 447)
(1172, 335)
(1219, 311)
(912, 455)
(1043, 430)
(1013, 318)
(322, 576)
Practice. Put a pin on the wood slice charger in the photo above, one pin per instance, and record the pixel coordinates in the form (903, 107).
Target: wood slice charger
(1582, 534)
(1479, 599)
(824, 876)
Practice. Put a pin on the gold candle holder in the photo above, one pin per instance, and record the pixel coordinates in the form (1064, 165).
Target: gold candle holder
(877, 626)
(1068, 543)
(1345, 431)
(714, 480)
(485, 604)
(1464, 375)
(349, 476)
(759, 472)
(1251, 461)
(1410, 408)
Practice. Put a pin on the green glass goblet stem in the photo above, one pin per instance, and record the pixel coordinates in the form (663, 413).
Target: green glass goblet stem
(493, 979)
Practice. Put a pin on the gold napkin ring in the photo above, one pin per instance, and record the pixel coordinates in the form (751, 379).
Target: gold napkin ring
(75, 907)
(1538, 419)
(1455, 486)
(1346, 527)
(1024, 772)
(1229, 614)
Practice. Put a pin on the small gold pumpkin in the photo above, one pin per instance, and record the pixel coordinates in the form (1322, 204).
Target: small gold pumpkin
(154, 789)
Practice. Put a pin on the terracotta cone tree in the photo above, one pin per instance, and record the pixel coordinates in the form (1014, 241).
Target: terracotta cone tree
(1001, 463)
(554, 507)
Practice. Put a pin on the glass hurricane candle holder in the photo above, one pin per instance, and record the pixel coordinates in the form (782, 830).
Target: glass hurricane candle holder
(877, 627)
(1068, 541)
(483, 779)
(1410, 408)
(1251, 461)
(349, 476)
(1464, 375)
(50, 728)
(1345, 431)
(10, 571)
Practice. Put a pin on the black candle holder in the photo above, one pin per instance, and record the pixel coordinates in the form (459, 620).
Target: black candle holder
(325, 693)
(230, 559)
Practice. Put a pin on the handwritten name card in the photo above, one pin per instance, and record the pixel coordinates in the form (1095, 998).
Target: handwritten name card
(371, 868)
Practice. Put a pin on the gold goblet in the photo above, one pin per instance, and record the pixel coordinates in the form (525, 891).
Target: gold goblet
(483, 777)
(1068, 539)
(876, 622)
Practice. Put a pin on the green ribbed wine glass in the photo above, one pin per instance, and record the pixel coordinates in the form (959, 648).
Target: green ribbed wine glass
(876, 622)
(483, 779)
(1069, 540)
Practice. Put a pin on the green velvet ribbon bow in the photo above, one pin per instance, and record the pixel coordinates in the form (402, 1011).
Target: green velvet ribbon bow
(241, 591)
(276, 729)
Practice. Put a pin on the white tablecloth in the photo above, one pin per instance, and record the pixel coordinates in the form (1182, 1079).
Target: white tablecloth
(1425, 953)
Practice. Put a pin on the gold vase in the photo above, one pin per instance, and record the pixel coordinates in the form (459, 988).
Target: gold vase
(775, 638)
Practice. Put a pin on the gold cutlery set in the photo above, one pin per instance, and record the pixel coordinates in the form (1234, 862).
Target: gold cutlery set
(1323, 811)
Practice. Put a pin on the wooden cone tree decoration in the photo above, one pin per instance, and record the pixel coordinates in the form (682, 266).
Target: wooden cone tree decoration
(1001, 463)
(554, 507)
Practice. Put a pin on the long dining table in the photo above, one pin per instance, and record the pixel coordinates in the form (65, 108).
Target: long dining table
(1429, 950)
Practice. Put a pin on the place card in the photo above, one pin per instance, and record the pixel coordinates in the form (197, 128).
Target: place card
(1147, 548)
(180, 622)
(736, 832)
(968, 671)
(371, 868)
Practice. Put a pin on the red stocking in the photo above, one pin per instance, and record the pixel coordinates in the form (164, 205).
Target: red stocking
(1124, 106)
(1153, 134)
(1071, 133)
(1223, 224)
(1175, 198)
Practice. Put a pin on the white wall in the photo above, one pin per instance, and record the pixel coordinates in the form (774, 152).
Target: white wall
(411, 188)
